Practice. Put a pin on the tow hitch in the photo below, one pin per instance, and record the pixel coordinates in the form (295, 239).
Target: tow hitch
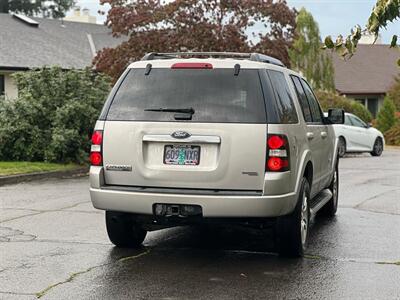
(177, 210)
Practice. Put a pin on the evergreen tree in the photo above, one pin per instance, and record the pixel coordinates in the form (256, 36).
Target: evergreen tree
(394, 93)
(44, 8)
(386, 117)
(306, 55)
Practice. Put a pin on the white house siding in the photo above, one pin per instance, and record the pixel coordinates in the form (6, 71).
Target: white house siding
(10, 89)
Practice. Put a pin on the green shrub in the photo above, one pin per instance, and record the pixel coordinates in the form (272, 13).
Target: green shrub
(333, 100)
(54, 115)
(392, 136)
(386, 116)
(394, 93)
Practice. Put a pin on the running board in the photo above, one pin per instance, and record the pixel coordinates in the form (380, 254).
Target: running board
(319, 201)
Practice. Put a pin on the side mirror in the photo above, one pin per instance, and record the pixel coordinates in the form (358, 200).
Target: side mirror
(335, 116)
(369, 125)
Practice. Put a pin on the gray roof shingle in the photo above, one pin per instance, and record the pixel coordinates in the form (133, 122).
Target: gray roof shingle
(371, 70)
(54, 42)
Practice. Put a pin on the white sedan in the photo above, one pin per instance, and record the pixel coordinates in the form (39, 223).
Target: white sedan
(357, 136)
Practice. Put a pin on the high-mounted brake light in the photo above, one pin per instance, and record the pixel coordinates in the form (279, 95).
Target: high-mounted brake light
(96, 156)
(192, 66)
(277, 159)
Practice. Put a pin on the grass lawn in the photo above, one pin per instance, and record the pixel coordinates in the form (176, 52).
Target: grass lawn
(22, 167)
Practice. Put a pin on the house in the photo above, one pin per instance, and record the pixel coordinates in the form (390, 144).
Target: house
(83, 17)
(27, 43)
(368, 75)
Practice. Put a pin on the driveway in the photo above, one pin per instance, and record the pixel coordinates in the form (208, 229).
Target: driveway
(53, 245)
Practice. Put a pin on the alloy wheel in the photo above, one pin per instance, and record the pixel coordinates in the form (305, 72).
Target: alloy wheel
(304, 220)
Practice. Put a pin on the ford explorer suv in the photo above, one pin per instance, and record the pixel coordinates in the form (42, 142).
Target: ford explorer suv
(203, 137)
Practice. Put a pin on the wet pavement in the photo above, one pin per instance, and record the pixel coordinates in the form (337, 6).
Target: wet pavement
(53, 245)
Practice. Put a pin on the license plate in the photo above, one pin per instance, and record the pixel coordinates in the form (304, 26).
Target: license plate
(181, 155)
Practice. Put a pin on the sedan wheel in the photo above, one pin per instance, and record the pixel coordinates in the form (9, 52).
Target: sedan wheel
(341, 147)
(378, 147)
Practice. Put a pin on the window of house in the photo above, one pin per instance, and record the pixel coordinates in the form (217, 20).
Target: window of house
(373, 106)
(2, 85)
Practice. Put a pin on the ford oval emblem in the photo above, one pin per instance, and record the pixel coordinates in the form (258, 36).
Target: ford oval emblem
(180, 135)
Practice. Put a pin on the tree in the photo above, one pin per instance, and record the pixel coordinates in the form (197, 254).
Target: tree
(196, 25)
(384, 12)
(394, 93)
(386, 117)
(45, 8)
(306, 55)
(53, 117)
(333, 100)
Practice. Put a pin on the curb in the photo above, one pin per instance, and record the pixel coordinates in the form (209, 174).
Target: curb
(14, 179)
(391, 147)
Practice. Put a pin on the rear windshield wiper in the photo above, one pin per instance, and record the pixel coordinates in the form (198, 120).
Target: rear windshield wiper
(178, 110)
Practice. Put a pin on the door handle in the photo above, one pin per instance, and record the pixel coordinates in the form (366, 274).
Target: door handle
(310, 135)
(324, 134)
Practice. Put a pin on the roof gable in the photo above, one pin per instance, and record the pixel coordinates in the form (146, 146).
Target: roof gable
(371, 70)
(53, 42)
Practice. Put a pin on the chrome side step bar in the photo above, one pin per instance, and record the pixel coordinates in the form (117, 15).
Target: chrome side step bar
(319, 201)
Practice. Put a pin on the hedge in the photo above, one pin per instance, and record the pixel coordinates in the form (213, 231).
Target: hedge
(332, 100)
(53, 116)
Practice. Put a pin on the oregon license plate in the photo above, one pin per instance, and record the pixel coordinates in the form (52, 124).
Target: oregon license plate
(182, 155)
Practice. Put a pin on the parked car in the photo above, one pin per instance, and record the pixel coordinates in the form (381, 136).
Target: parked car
(224, 137)
(357, 136)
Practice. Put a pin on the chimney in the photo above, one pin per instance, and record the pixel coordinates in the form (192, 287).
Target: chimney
(77, 11)
(85, 11)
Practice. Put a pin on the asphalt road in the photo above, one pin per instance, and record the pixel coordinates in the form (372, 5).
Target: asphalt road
(53, 245)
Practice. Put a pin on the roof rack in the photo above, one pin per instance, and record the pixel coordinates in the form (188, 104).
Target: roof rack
(250, 56)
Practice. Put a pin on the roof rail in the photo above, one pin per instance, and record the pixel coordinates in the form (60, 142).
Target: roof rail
(250, 56)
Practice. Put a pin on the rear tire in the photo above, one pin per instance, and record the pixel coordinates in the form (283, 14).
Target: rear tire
(341, 147)
(293, 229)
(123, 231)
(378, 147)
(330, 208)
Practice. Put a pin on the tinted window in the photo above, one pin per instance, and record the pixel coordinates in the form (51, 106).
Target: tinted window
(216, 95)
(314, 106)
(357, 122)
(303, 99)
(285, 106)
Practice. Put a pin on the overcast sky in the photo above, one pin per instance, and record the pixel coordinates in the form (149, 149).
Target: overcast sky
(333, 16)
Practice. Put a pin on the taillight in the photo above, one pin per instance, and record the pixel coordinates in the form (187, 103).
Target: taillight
(97, 137)
(96, 157)
(277, 153)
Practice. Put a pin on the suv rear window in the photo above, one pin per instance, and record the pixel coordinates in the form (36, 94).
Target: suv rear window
(216, 95)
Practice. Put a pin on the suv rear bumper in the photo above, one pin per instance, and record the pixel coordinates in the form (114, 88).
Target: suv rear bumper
(218, 206)
(212, 206)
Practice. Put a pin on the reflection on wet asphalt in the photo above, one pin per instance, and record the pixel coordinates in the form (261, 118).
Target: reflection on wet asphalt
(53, 245)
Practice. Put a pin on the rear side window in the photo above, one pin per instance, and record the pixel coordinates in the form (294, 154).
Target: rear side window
(314, 106)
(302, 98)
(215, 95)
(285, 106)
